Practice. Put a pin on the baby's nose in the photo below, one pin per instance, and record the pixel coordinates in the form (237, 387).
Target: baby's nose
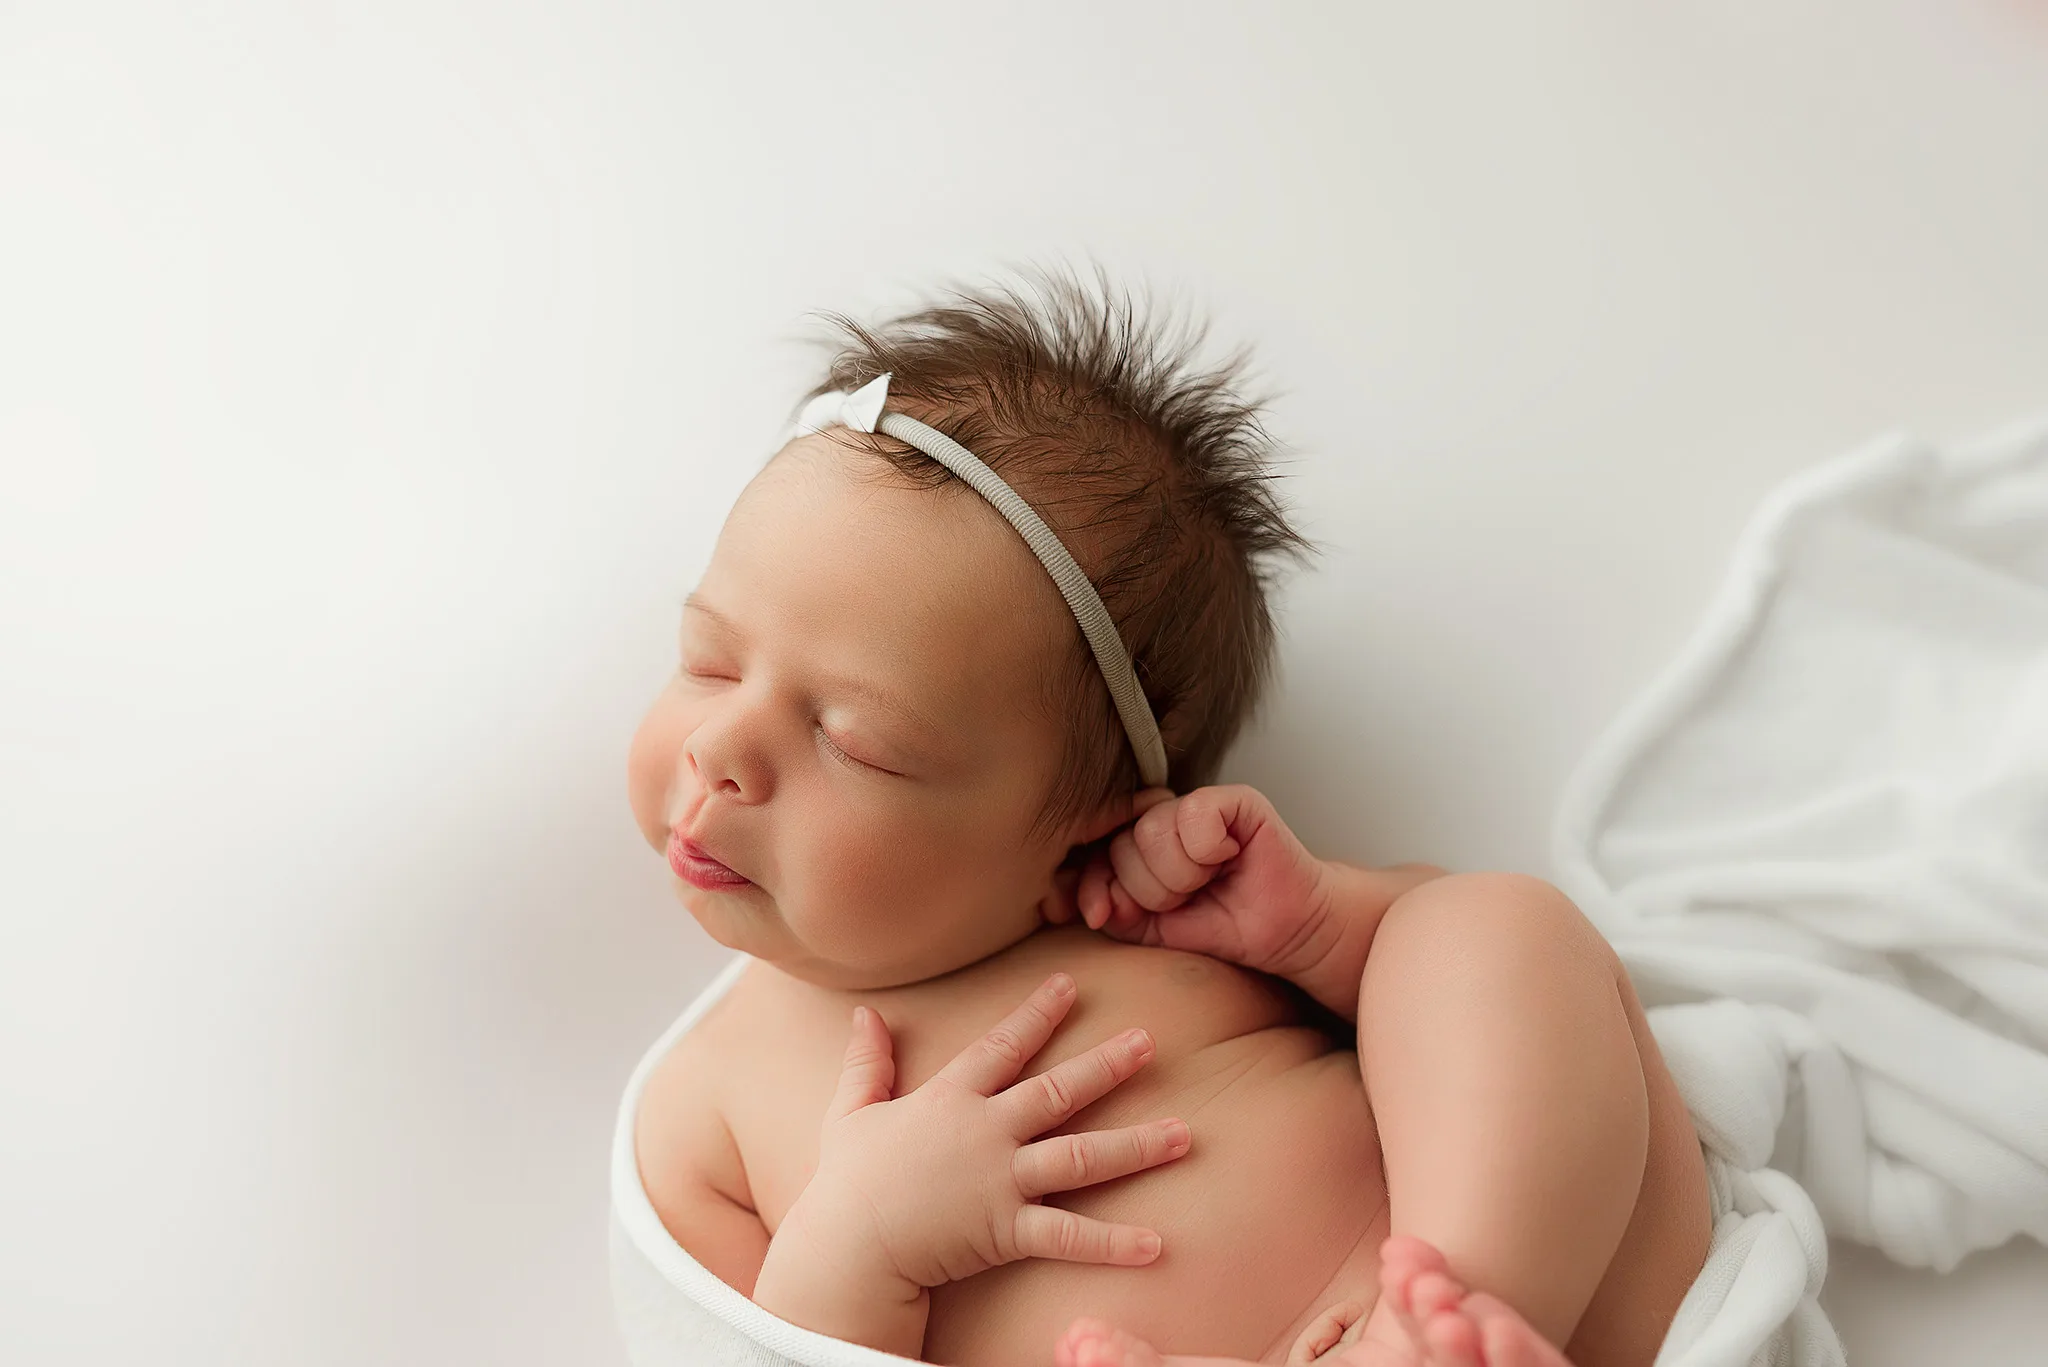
(728, 765)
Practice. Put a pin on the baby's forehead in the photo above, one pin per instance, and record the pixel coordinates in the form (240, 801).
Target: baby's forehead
(818, 496)
(828, 548)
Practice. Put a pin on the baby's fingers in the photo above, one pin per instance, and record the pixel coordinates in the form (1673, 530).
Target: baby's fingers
(993, 1061)
(1146, 879)
(1127, 920)
(1049, 1232)
(1092, 895)
(1037, 1104)
(869, 1071)
(1072, 1161)
(1213, 824)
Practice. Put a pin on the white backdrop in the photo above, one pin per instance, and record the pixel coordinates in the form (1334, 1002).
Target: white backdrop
(373, 378)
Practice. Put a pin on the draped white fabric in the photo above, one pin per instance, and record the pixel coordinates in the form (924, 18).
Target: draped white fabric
(1820, 843)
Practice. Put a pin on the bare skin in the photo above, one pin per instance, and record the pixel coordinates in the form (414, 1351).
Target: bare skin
(1447, 1326)
(1486, 1008)
(1282, 1195)
(858, 737)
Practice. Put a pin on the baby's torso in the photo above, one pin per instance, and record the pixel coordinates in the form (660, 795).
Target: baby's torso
(1279, 1190)
(1275, 1214)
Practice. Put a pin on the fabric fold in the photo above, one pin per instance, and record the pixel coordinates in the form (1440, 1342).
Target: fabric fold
(1819, 842)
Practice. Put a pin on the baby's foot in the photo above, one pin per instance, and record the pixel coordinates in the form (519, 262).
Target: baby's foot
(1448, 1327)
(1417, 1283)
(1093, 1343)
(1453, 1327)
(1505, 1338)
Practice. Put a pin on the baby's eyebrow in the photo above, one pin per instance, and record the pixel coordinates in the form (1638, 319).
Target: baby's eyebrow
(883, 700)
(693, 603)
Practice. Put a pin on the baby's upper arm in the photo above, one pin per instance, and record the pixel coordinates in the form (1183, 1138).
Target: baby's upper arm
(691, 1167)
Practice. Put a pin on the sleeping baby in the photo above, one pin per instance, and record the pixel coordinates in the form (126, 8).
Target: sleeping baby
(1045, 1049)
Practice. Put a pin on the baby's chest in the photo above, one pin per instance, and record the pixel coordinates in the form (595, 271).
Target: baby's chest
(776, 1099)
(1200, 1014)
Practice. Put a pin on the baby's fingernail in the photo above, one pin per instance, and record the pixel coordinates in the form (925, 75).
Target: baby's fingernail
(1139, 1043)
(1148, 1245)
(1061, 985)
(1176, 1132)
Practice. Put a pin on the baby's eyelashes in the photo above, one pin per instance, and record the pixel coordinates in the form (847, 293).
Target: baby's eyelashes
(846, 757)
(706, 672)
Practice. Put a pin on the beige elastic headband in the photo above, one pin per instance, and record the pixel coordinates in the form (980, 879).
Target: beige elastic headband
(864, 411)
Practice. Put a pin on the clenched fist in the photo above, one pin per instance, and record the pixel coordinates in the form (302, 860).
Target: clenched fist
(1215, 872)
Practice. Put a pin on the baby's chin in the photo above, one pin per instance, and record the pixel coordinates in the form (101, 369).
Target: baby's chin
(742, 921)
(750, 923)
(830, 952)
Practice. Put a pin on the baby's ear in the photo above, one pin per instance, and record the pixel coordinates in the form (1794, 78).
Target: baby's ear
(1118, 812)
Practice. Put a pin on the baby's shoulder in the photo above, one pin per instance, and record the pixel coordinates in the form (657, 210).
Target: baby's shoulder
(701, 1093)
(740, 1031)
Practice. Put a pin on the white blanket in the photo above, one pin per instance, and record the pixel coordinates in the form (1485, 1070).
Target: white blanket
(1820, 844)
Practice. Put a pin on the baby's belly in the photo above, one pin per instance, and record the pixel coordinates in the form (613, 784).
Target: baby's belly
(1273, 1213)
(1277, 1211)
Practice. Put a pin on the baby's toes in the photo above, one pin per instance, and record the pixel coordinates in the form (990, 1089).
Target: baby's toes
(1404, 1260)
(1411, 1252)
(1096, 1343)
(1434, 1292)
(1451, 1339)
(1506, 1339)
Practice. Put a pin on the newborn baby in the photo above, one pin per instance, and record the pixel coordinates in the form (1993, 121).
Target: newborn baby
(894, 770)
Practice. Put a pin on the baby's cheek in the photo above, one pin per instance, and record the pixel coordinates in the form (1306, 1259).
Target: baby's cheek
(864, 893)
(848, 885)
(651, 765)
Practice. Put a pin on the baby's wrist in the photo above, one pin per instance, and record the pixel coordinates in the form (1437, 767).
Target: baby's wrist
(1348, 913)
(829, 1275)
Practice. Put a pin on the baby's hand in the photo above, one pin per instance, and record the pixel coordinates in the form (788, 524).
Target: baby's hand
(1216, 872)
(944, 1182)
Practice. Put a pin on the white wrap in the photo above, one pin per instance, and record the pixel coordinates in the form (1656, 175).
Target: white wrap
(1820, 844)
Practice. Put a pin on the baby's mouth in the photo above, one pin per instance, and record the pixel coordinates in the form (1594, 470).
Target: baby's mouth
(693, 864)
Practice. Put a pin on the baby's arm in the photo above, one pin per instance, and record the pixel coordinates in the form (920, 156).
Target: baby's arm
(1359, 899)
(692, 1171)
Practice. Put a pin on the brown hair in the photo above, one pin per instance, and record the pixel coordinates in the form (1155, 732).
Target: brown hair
(1153, 469)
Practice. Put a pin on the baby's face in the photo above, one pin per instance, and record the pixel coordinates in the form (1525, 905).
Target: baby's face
(846, 770)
